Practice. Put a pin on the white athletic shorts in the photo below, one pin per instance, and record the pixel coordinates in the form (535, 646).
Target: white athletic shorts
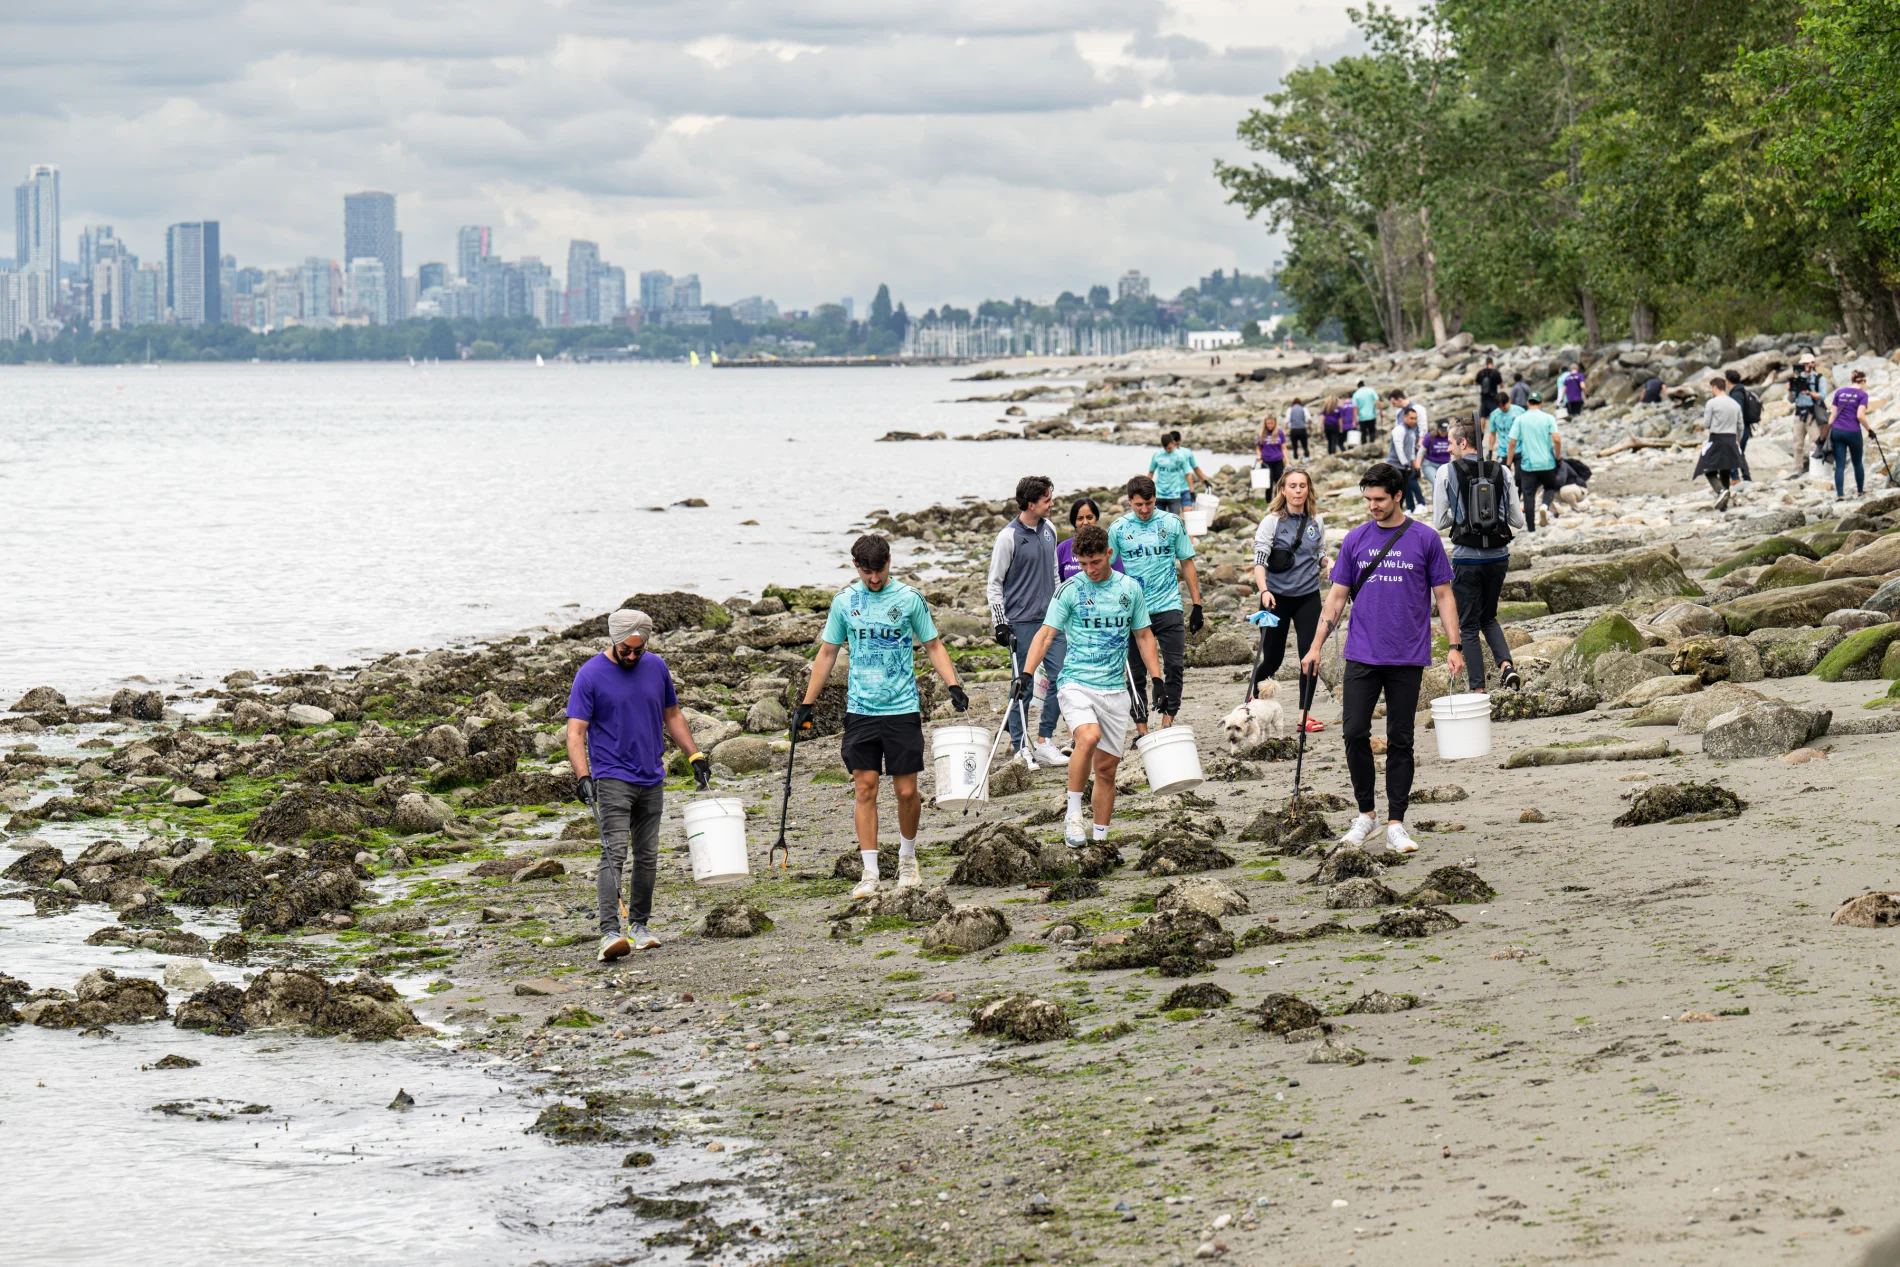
(1085, 706)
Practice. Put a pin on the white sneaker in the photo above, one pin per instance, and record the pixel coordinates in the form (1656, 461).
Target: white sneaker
(909, 874)
(1050, 755)
(867, 887)
(642, 939)
(614, 946)
(1075, 830)
(1398, 840)
(1361, 828)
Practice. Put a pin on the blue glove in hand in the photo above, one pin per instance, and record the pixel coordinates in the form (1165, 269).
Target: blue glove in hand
(1264, 620)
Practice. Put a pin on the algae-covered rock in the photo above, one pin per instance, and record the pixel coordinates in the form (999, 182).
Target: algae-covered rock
(1869, 910)
(1420, 922)
(1764, 551)
(1713, 702)
(1379, 1003)
(1790, 571)
(1288, 831)
(1176, 855)
(1204, 995)
(996, 855)
(736, 919)
(850, 866)
(1202, 894)
(1795, 606)
(1643, 574)
(1179, 943)
(967, 928)
(40, 864)
(1653, 689)
(1789, 652)
(1858, 656)
(1286, 1013)
(1611, 631)
(1718, 659)
(1679, 803)
(917, 904)
(1020, 1017)
(1345, 863)
(1360, 893)
(807, 598)
(1617, 672)
(315, 812)
(1525, 705)
(1873, 559)
(216, 1009)
(1763, 728)
(1448, 886)
(1886, 599)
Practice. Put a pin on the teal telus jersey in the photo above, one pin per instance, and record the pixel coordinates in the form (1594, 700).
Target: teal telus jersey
(1097, 620)
(1149, 551)
(883, 628)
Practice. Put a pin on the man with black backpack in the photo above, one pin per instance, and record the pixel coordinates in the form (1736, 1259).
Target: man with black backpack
(1751, 414)
(1476, 499)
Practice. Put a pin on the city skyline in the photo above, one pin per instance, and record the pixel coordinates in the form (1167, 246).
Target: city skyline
(954, 155)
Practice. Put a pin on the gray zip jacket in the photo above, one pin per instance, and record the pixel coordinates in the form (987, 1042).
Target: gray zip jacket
(1023, 572)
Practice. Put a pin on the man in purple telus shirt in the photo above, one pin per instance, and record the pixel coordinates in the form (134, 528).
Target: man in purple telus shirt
(620, 710)
(1399, 569)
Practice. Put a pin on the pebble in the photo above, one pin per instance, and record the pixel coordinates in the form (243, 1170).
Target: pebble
(1295, 1134)
(781, 1036)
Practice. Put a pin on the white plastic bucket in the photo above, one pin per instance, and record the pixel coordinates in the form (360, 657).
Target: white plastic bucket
(1170, 759)
(958, 753)
(1195, 521)
(1820, 469)
(1462, 724)
(1352, 438)
(1260, 479)
(715, 836)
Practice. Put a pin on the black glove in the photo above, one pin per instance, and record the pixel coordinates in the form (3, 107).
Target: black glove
(801, 719)
(1195, 619)
(1160, 688)
(1005, 636)
(586, 792)
(959, 699)
(1023, 686)
(702, 771)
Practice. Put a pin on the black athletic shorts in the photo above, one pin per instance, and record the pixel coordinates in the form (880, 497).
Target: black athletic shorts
(889, 745)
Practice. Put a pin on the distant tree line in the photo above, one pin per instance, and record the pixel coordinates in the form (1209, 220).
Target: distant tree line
(1590, 169)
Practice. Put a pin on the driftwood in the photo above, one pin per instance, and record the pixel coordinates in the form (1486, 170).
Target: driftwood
(1600, 752)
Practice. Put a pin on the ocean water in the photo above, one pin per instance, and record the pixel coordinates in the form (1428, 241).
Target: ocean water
(182, 522)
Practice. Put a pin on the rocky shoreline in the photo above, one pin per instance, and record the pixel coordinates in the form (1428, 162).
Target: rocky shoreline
(1076, 1059)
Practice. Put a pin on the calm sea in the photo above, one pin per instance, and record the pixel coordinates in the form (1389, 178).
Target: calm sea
(189, 520)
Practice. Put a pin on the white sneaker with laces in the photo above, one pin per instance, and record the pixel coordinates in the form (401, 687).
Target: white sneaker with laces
(867, 887)
(1361, 828)
(909, 874)
(1050, 755)
(1075, 830)
(642, 939)
(614, 946)
(1398, 840)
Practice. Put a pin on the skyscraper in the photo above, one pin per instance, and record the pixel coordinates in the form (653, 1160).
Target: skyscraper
(656, 293)
(686, 291)
(91, 239)
(583, 266)
(368, 291)
(369, 233)
(36, 234)
(472, 246)
(314, 279)
(610, 294)
(194, 278)
(432, 276)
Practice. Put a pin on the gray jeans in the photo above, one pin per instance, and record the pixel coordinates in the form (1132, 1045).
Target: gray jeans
(628, 813)
(1025, 632)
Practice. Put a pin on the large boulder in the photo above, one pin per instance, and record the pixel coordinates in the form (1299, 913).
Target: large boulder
(1788, 571)
(766, 717)
(138, 705)
(1762, 552)
(1763, 728)
(1875, 559)
(1226, 645)
(1886, 600)
(41, 699)
(1793, 652)
(1611, 631)
(1618, 579)
(1794, 606)
(1715, 701)
(1653, 689)
(1857, 658)
(442, 743)
(1022, 1018)
(967, 928)
(416, 814)
(1202, 893)
(1616, 672)
(103, 997)
(1718, 659)
(306, 811)
(1686, 620)
(744, 754)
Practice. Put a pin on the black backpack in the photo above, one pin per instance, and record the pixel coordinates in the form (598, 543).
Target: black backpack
(1751, 409)
(1480, 511)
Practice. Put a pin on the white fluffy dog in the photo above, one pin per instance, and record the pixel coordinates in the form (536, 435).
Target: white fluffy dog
(1255, 720)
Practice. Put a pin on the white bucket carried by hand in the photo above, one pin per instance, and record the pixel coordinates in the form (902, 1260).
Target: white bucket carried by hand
(1462, 724)
(1260, 479)
(715, 836)
(1170, 760)
(959, 755)
(1195, 521)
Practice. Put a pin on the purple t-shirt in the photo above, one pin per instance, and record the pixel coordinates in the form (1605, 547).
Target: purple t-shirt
(1392, 617)
(1848, 402)
(1273, 447)
(1437, 449)
(623, 710)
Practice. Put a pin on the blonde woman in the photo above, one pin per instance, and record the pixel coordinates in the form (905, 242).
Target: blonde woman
(1330, 422)
(1270, 442)
(1287, 569)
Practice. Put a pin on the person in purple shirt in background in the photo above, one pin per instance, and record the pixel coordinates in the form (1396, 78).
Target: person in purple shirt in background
(1433, 452)
(1850, 418)
(620, 710)
(1570, 387)
(1399, 570)
(1331, 422)
(1083, 513)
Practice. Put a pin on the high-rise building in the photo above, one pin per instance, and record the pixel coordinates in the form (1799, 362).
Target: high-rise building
(369, 233)
(656, 292)
(36, 235)
(113, 277)
(314, 280)
(432, 276)
(90, 240)
(610, 294)
(583, 266)
(10, 305)
(368, 291)
(227, 285)
(754, 311)
(194, 276)
(472, 245)
(1132, 285)
(149, 288)
(686, 292)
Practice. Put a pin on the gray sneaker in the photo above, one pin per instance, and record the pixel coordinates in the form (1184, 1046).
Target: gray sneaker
(642, 939)
(613, 946)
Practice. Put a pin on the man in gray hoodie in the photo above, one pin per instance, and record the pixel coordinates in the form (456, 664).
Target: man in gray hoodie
(1022, 579)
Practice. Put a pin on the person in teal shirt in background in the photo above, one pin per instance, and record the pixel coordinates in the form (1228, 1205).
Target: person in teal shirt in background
(1497, 430)
(1173, 469)
(1150, 544)
(1365, 407)
(1537, 447)
(884, 620)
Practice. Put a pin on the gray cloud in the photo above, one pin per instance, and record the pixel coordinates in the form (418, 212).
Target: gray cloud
(804, 152)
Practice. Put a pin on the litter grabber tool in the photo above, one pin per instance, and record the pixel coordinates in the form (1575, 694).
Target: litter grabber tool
(982, 791)
(1309, 686)
(1138, 698)
(1884, 464)
(784, 808)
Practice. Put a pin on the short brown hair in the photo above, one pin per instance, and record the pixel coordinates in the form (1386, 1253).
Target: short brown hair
(1090, 540)
(1033, 488)
(871, 552)
(1141, 486)
(1465, 431)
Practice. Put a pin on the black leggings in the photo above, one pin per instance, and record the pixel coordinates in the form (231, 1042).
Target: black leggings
(1297, 445)
(1362, 687)
(1477, 586)
(1300, 613)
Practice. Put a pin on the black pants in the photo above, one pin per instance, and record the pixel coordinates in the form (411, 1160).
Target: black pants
(1297, 445)
(1276, 469)
(628, 815)
(1528, 482)
(1363, 685)
(1476, 587)
(1170, 631)
(1335, 440)
(1573, 407)
(1301, 613)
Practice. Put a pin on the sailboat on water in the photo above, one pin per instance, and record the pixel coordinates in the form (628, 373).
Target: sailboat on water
(148, 356)
(539, 363)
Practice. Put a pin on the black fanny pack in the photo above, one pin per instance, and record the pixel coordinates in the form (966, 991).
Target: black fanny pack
(1280, 558)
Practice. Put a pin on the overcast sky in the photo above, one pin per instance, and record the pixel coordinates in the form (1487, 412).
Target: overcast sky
(801, 151)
